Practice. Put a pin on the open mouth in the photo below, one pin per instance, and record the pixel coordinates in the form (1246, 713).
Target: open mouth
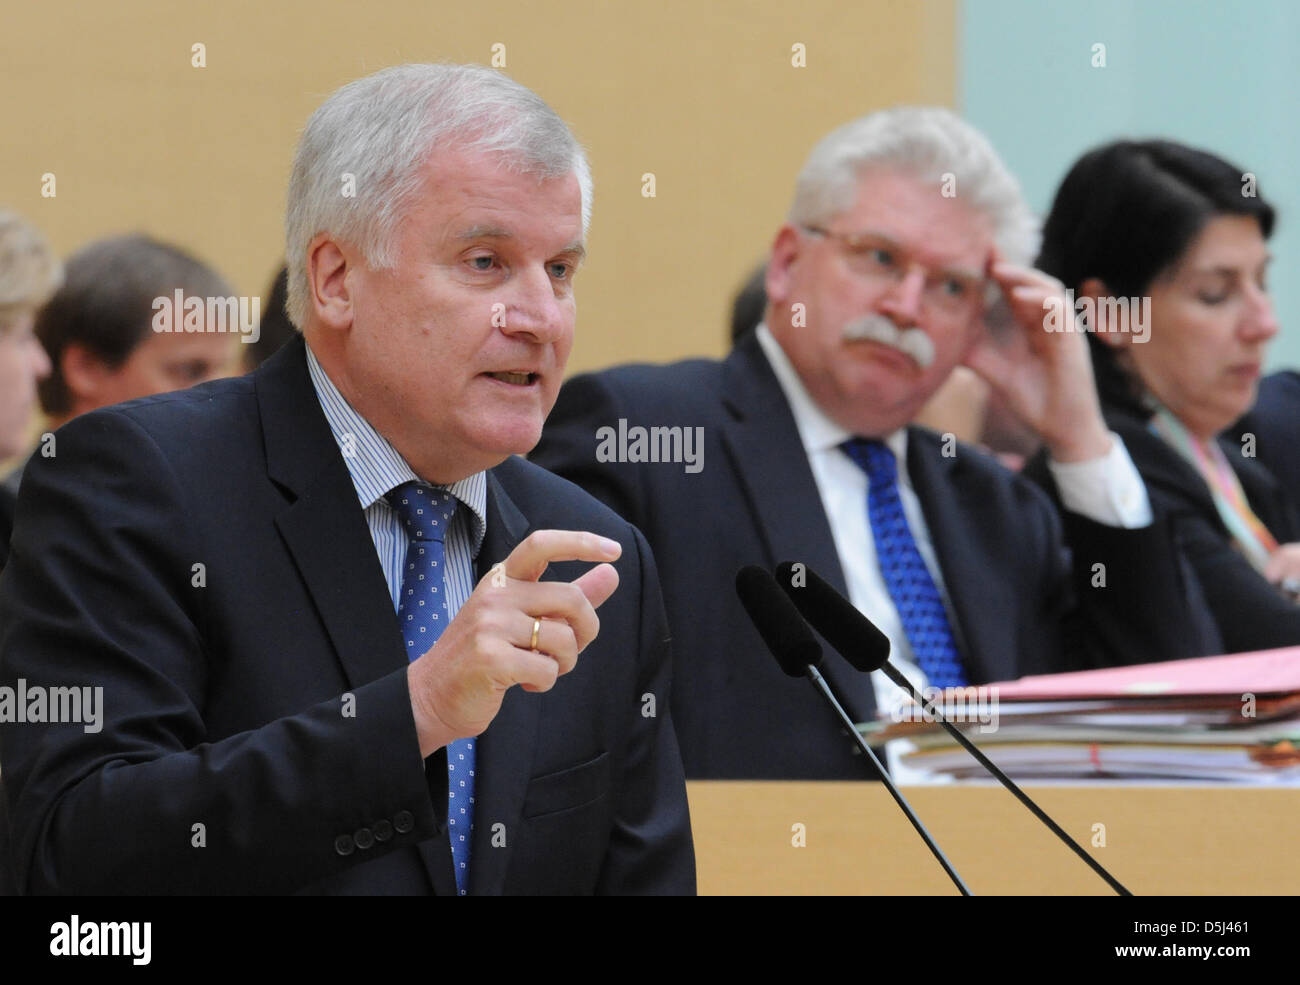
(514, 379)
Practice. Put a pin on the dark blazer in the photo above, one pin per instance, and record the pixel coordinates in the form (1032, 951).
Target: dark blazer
(1250, 613)
(1021, 605)
(224, 702)
(8, 881)
(6, 523)
(1275, 423)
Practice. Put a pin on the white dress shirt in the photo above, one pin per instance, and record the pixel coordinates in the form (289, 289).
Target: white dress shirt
(1107, 490)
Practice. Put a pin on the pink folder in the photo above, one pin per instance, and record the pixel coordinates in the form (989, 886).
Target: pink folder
(1266, 672)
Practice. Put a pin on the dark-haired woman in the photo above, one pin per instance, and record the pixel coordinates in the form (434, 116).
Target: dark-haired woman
(1178, 237)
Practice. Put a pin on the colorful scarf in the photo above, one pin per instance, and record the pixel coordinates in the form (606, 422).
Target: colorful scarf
(1249, 535)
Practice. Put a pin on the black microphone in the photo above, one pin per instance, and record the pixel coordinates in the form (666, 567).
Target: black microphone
(777, 621)
(853, 635)
(862, 644)
(799, 654)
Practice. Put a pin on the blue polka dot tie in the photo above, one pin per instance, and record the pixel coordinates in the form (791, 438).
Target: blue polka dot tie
(920, 607)
(422, 610)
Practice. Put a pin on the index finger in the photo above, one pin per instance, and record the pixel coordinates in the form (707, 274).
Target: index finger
(1010, 275)
(528, 561)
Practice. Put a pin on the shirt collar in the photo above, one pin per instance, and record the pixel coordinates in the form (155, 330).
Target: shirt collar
(816, 430)
(375, 465)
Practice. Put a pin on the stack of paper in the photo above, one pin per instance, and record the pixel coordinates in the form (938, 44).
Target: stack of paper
(1231, 719)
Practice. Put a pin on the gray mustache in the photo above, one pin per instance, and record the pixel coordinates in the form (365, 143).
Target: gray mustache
(912, 342)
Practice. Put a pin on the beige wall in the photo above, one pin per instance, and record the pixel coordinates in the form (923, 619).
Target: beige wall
(701, 94)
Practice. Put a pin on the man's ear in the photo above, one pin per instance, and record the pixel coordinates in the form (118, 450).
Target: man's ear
(83, 374)
(327, 284)
(1096, 291)
(785, 249)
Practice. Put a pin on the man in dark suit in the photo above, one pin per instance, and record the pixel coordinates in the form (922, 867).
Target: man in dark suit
(1275, 423)
(877, 286)
(6, 524)
(226, 562)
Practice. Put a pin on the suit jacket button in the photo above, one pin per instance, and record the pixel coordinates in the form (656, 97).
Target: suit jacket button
(343, 844)
(364, 838)
(403, 821)
(383, 830)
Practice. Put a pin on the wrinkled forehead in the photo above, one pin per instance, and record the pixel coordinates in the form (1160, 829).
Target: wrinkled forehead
(475, 194)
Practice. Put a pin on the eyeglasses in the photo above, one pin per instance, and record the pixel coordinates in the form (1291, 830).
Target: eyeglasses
(883, 262)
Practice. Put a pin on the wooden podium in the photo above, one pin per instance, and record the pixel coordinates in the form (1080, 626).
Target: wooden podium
(1158, 840)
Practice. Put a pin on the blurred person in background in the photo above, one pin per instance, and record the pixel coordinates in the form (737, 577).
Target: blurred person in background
(1275, 423)
(29, 273)
(98, 329)
(1161, 224)
(749, 303)
(275, 328)
(964, 406)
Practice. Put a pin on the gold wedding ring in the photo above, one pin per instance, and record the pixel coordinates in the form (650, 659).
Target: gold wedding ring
(537, 628)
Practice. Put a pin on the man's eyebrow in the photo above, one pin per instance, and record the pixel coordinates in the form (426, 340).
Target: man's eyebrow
(885, 239)
(485, 232)
(574, 249)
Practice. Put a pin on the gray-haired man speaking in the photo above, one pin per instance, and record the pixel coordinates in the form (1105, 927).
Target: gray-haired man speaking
(309, 593)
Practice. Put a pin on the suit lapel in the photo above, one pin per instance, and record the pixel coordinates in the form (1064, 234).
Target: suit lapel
(1164, 470)
(1267, 497)
(768, 457)
(504, 754)
(324, 527)
(326, 533)
(951, 511)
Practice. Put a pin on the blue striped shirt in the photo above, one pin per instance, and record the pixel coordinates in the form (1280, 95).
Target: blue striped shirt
(376, 467)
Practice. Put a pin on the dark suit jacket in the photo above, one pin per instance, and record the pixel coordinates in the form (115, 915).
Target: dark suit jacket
(224, 703)
(1021, 605)
(8, 881)
(1249, 612)
(1275, 423)
(6, 523)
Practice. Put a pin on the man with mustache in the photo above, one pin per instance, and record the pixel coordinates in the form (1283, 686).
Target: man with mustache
(901, 251)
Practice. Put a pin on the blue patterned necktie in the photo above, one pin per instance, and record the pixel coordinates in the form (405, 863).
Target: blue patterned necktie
(908, 579)
(422, 610)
